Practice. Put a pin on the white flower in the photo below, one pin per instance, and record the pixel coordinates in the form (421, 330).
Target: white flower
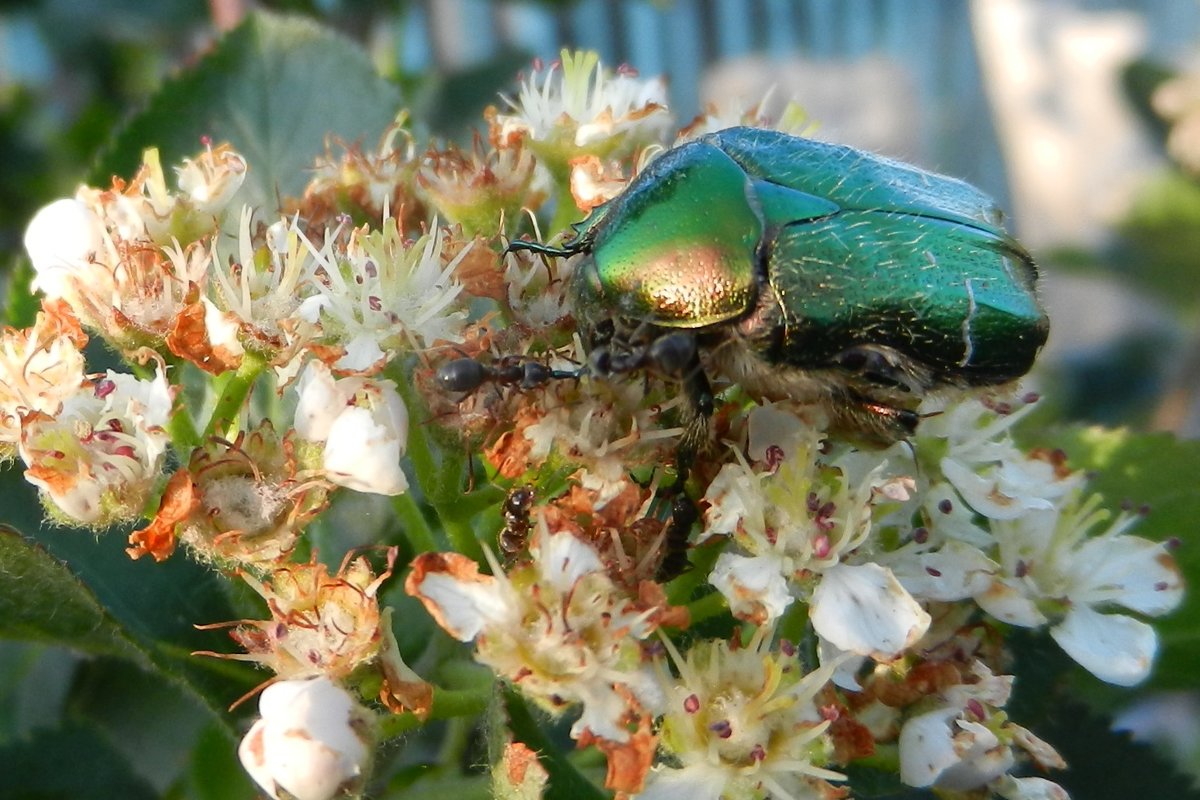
(742, 722)
(210, 180)
(966, 742)
(753, 586)
(1053, 569)
(40, 367)
(558, 628)
(129, 259)
(1011, 788)
(261, 289)
(938, 746)
(378, 294)
(97, 459)
(312, 741)
(809, 522)
(363, 425)
(579, 104)
(603, 431)
(955, 571)
(980, 461)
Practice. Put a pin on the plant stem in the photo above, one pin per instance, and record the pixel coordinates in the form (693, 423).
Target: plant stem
(416, 527)
(182, 428)
(228, 409)
(447, 704)
(710, 605)
(565, 210)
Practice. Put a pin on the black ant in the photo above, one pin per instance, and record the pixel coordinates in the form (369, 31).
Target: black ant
(516, 520)
(467, 374)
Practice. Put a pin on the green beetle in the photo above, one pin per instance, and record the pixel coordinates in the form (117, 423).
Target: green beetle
(804, 269)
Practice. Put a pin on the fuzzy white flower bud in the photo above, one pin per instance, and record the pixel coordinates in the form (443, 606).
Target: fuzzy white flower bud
(313, 741)
(62, 239)
(363, 425)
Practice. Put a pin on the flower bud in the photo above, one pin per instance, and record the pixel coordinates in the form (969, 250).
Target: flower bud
(312, 743)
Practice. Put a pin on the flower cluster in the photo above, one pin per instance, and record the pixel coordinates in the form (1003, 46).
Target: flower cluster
(747, 624)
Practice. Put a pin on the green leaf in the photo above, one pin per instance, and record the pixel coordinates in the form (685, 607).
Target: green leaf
(68, 763)
(215, 773)
(80, 590)
(34, 682)
(153, 722)
(1160, 472)
(41, 601)
(20, 304)
(275, 88)
(454, 103)
(1161, 229)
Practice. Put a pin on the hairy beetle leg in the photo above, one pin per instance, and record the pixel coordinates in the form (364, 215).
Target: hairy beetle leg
(879, 421)
(879, 365)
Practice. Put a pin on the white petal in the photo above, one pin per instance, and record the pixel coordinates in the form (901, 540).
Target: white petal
(603, 712)
(1011, 788)
(986, 496)
(362, 354)
(726, 500)
(769, 426)
(61, 239)
(222, 328)
(700, 781)
(319, 402)
(927, 747)
(754, 586)
(982, 760)
(1115, 648)
(1127, 570)
(363, 454)
(1008, 603)
(845, 674)
(254, 761)
(956, 571)
(467, 607)
(310, 308)
(564, 559)
(80, 501)
(307, 743)
(959, 522)
(865, 610)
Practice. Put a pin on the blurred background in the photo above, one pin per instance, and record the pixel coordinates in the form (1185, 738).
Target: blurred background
(1082, 117)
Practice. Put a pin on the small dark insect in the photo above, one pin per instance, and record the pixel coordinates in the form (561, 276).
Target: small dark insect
(516, 520)
(468, 374)
(675, 541)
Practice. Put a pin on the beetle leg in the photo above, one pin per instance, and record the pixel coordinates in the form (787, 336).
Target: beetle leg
(881, 366)
(879, 421)
(697, 412)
